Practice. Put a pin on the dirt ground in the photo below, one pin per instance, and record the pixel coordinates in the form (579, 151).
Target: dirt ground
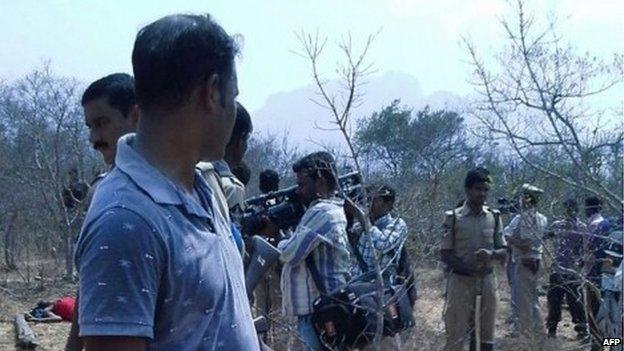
(18, 298)
(428, 335)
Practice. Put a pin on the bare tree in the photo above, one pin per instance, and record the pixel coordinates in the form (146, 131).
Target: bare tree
(46, 136)
(340, 105)
(273, 152)
(351, 74)
(538, 98)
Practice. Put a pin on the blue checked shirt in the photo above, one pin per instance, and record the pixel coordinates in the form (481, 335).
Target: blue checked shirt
(387, 236)
(321, 233)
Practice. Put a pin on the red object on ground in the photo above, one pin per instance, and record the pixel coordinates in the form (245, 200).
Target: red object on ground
(64, 307)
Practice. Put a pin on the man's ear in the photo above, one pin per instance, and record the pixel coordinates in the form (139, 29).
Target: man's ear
(212, 92)
(133, 115)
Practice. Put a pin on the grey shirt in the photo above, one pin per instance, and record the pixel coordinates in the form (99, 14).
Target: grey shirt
(156, 263)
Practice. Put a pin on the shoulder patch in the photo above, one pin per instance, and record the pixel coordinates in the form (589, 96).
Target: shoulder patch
(205, 166)
(98, 178)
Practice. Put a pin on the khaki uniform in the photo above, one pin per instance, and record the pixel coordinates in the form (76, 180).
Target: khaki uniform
(231, 198)
(464, 234)
(214, 181)
(233, 189)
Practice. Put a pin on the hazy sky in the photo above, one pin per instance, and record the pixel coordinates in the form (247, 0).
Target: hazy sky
(89, 39)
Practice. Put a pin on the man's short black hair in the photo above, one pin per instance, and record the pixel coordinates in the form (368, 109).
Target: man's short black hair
(242, 172)
(318, 164)
(385, 191)
(243, 126)
(175, 54)
(476, 176)
(117, 88)
(593, 202)
(268, 181)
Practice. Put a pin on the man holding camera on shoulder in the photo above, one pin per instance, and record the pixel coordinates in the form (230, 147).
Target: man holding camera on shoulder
(320, 238)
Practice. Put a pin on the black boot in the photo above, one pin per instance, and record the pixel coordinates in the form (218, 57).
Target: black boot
(485, 346)
(552, 332)
(581, 333)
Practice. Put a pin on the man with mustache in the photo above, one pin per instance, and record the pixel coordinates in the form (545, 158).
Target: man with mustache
(157, 264)
(110, 111)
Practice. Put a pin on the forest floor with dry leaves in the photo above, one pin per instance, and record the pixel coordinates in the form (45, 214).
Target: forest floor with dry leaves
(428, 335)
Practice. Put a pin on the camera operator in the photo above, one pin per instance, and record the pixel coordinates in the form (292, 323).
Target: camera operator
(321, 234)
(387, 234)
(385, 238)
(268, 181)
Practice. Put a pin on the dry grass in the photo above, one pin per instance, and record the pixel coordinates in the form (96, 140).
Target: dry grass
(428, 335)
(19, 298)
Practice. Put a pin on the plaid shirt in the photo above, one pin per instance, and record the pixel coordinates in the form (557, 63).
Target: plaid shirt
(322, 234)
(387, 236)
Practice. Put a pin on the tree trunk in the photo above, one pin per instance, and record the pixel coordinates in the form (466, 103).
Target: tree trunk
(67, 239)
(10, 242)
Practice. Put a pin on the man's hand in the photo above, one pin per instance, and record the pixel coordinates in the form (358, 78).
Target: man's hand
(500, 255)
(483, 256)
(351, 208)
(269, 229)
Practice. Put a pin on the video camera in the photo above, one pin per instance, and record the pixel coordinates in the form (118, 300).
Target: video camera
(506, 206)
(283, 207)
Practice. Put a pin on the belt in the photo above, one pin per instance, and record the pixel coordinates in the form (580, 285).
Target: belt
(490, 271)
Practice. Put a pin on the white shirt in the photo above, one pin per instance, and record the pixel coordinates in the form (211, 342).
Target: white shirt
(529, 224)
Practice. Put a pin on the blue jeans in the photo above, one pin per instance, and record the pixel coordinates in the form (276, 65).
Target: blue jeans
(307, 333)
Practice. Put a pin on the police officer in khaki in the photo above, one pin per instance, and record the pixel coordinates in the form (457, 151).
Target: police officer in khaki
(471, 242)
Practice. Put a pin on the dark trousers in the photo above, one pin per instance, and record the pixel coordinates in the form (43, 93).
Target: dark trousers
(593, 305)
(565, 286)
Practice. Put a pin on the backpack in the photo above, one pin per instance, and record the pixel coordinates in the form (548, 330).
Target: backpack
(347, 318)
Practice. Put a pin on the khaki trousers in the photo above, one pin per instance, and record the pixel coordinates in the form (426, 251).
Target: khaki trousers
(529, 316)
(460, 304)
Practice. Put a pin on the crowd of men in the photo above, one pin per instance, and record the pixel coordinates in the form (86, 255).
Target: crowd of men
(161, 253)
(475, 237)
